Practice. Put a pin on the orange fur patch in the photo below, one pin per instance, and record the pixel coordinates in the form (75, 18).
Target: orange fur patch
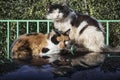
(62, 40)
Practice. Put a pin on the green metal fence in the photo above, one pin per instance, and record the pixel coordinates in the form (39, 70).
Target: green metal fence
(16, 26)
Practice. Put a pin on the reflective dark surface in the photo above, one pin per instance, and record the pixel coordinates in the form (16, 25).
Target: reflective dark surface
(109, 70)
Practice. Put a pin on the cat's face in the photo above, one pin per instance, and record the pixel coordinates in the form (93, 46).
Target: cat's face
(58, 42)
(60, 39)
(57, 12)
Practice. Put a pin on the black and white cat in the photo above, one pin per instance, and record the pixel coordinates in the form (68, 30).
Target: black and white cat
(85, 30)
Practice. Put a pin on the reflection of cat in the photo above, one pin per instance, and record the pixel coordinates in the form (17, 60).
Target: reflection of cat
(28, 46)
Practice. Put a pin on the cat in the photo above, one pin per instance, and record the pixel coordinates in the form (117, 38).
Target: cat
(86, 34)
(85, 30)
(35, 46)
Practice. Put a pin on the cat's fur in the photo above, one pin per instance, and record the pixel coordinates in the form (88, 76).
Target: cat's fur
(35, 45)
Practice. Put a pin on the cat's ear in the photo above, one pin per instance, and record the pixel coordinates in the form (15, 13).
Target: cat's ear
(67, 32)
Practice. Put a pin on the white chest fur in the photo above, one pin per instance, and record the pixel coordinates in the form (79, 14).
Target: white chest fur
(63, 26)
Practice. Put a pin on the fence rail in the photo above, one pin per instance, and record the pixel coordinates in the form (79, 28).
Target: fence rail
(7, 24)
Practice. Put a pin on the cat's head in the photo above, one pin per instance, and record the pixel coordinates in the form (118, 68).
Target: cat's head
(57, 41)
(60, 38)
(57, 12)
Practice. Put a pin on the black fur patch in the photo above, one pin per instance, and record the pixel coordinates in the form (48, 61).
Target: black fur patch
(54, 39)
(80, 18)
(45, 57)
(31, 34)
(73, 21)
(83, 29)
(44, 50)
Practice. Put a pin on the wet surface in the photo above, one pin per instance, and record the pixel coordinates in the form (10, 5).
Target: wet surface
(109, 70)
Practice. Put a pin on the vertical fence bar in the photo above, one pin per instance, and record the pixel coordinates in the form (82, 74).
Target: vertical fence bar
(107, 33)
(48, 26)
(17, 29)
(8, 39)
(27, 28)
(38, 26)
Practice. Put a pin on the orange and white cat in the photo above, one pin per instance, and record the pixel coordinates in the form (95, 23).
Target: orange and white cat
(46, 46)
